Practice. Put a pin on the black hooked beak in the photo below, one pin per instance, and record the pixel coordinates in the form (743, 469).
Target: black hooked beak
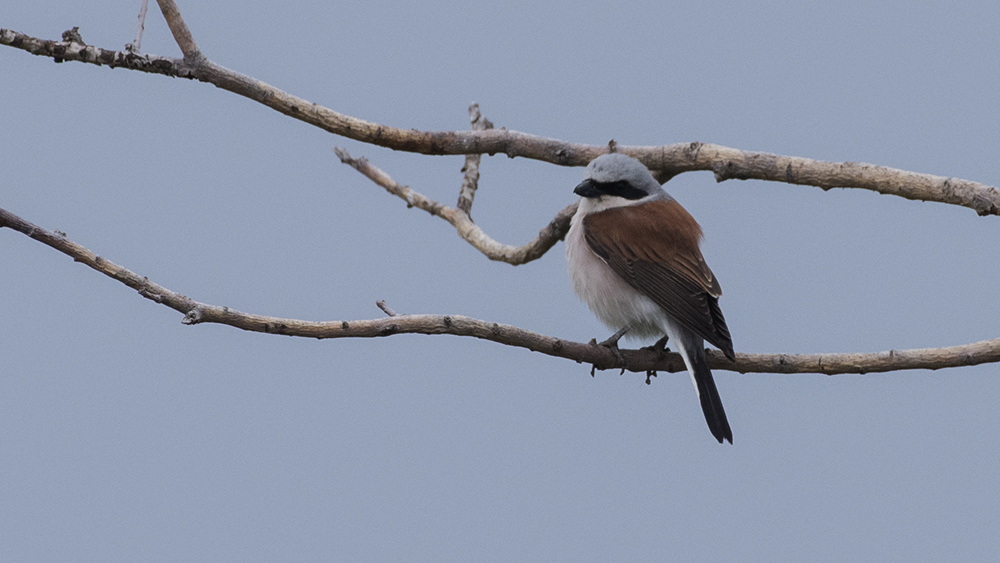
(588, 188)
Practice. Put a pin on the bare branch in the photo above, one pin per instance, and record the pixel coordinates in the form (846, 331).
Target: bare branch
(58, 241)
(640, 361)
(982, 352)
(179, 29)
(470, 182)
(74, 51)
(666, 160)
(136, 45)
(472, 233)
(729, 163)
(385, 308)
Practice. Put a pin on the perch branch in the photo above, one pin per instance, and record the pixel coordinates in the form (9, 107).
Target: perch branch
(601, 357)
(472, 233)
(666, 160)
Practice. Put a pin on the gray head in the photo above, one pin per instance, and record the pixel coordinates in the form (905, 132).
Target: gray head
(620, 175)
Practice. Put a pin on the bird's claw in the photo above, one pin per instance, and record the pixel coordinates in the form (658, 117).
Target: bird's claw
(660, 347)
(612, 344)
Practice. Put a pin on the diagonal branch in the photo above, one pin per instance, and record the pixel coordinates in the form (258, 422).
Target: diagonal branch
(179, 29)
(987, 351)
(136, 45)
(668, 160)
(472, 233)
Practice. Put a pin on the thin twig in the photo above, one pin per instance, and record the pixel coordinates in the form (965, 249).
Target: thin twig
(601, 357)
(385, 308)
(666, 160)
(470, 180)
(472, 233)
(136, 45)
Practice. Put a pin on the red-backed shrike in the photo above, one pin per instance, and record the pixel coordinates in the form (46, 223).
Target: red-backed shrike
(634, 257)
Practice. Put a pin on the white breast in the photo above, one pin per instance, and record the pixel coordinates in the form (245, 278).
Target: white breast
(615, 303)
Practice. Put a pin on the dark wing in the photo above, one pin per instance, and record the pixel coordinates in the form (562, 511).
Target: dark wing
(662, 260)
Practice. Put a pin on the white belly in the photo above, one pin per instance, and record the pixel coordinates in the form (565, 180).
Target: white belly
(616, 303)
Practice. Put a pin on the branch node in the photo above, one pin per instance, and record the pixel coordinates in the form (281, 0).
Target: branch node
(73, 35)
(724, 170)
(692, 151)
(790, 177)
(388, 330)
(984, 207)
(154, 297)
(194, 316)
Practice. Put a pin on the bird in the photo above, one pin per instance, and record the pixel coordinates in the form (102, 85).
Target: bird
(633, 255)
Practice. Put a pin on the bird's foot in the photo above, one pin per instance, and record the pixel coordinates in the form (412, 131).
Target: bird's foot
(612, 344)
(660, 347)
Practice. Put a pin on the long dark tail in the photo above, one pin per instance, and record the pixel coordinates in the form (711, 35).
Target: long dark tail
(711, 402)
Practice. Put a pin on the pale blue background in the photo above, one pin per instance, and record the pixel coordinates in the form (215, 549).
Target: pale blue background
(127, 436)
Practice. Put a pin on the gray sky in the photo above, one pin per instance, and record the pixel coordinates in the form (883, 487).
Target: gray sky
(125, 435)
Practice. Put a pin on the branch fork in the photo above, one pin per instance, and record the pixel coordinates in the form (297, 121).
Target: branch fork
(665, 161)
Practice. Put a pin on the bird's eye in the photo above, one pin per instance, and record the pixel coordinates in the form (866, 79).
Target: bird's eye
(616, 188)
(621, 188)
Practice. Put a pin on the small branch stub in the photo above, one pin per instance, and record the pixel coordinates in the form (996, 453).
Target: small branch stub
(385, 308)
(73, 36)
